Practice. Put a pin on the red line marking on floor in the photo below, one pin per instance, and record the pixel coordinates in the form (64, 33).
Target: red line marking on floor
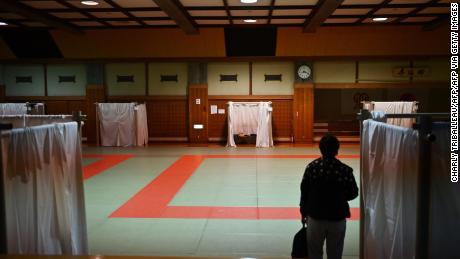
(154, 198)
(152, 201)
(107, 162)
(276, 156)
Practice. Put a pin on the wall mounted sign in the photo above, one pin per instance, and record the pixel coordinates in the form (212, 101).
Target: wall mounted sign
(23, 79)
(125, 79)
(168, 78)
(67, 79)
(411, 71)
(273, 78)
(229, 78)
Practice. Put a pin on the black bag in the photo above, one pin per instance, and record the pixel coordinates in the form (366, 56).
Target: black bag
(299, 245)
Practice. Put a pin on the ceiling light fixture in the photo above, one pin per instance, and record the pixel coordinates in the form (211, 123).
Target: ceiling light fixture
(90, 2)
(248, 1)
(250, 20)
(3, 23)
(379, 19)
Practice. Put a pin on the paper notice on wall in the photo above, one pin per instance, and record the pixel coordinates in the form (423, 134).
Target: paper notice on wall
(213, 109)
(221, 111)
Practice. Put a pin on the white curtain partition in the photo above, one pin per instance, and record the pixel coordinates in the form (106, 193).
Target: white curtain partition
(394, 107)
(13, 108)
(390, 169)
(250, 118)
(20, 108)
(22, 121)
(117, 124)
(390, 181)
(141, 125)
(43, 187)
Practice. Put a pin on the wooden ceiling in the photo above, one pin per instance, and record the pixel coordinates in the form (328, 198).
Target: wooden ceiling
(190, 15)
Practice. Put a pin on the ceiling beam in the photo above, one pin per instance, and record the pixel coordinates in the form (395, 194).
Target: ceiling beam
(440, 21)
(220, 18)
(220, 8)
(416, 10)
(175, 10)
(320, 14)
(227, 10)
(83, 11)
(270, 13)
(373, 11)
(120, 9)
(31, 13)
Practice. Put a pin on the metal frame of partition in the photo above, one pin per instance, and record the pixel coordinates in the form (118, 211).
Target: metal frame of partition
(423, 223)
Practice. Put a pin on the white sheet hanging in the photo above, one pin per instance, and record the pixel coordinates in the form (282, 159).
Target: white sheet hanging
(25, 120)
(390, 169)
(117, 126)
(264, 129)
(44, 190)
(36, 120)
(397, 107)
(250, 118)
(13, 108)
(18, 121)
(142, 131)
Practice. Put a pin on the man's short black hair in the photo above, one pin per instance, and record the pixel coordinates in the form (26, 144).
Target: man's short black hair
(329, 146)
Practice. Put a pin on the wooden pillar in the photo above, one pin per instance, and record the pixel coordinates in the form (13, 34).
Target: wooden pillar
(198, 113)
(303, 112)
(2, 93)
(94, 94)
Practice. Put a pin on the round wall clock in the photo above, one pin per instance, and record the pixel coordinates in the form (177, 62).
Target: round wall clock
(304, 72)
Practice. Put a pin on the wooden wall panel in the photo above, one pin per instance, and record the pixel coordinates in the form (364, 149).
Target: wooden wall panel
(281, 117)
(2, 93)
(56, 107)
(198, 112)
(167, 118)
(217, 123)
(67, 107)
(303, 113)
(140, 43)
(363, 41)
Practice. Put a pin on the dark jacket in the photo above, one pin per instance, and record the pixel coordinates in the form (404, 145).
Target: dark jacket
(326, 188)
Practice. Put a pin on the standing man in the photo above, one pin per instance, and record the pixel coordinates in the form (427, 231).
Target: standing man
(326, 188)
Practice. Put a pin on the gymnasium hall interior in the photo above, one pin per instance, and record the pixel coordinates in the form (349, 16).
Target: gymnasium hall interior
(182, 128)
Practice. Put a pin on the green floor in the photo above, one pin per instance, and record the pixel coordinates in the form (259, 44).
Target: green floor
(263, 182)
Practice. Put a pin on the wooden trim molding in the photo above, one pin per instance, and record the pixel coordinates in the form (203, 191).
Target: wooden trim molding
(45, 98)
(303, 85)
(198, 86)
(146, 98)
(434, 84)
(94, 86)
(250, 97)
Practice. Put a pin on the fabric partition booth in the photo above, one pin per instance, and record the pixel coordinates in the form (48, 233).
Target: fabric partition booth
(142, 130)
(22, 121)
(122, 124)
(21, 108)
(381, 108)
(409, 206)
(43, 190)
(246, 118)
